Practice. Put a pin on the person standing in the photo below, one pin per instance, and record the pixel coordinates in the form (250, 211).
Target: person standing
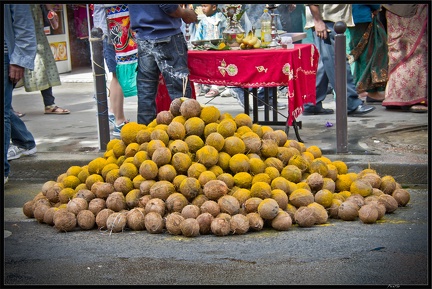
(116, 114)
(368, 52)
(211, 27)
(19, 53)
(407, 38)
(45, 74)
(162, 48)
(321, 19)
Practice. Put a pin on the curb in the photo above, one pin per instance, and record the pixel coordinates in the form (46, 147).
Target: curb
(43, 167)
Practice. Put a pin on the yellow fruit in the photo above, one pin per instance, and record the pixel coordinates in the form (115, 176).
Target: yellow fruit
(129, 132)
(341, 167)
(257, 44)
(71, 181)
(95, 166)
(73, 171)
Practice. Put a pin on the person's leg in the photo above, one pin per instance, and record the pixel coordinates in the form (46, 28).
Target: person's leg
(171, 58)
(7, 97)
(322, 80)
(48, 97)
(147, 82)
(117, 100)
(328, 60)
(50, 107)
(19, 133)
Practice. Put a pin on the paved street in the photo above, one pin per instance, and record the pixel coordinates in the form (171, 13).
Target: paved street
(392, 253)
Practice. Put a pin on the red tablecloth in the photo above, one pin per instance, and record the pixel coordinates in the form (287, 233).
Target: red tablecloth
(294, 68)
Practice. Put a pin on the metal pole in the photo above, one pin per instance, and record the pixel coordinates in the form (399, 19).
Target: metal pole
(341, 89)
(100, 86)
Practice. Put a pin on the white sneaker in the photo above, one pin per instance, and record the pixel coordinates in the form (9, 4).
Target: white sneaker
(15, 152)
(227, 93)
(6, 180)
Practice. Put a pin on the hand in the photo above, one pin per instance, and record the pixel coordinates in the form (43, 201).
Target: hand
(321, 30)
(16, 72)
(189, 16)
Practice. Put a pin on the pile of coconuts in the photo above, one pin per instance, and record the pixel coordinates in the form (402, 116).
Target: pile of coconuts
(194, 171)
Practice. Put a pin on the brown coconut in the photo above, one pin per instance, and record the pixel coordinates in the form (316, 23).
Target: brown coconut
(53, 192)
(402, 197)
(164, 117)
(220, 226)
(333, 210)
(135, 219)
(176, 202)
(145, 186)
(167, 173)
(101, 218)
(282, 221)
(76, 205)
(162, 189)
(368, 214)
(199, 200)
(102, 190)
(85, 194)
(190, 188)
(389, 202)
(48, 217)
(239, 224)
(144, 200)
(190, 108)
(280, 196)
(356, 198)
(214, 189)
(28, 209)
(373, 179)
(301, 197)
(155, 205)
(320, 212)
(190, 227)
(175, 106)
(116, 222)
(348, 211)
(86, 219)
(58, 212)
(388, 185)
(256, 223)
(116, 201)
(268, 209)
(46, 186)
(172, 223)
(154, 223)
(315, 181)
(204, 221)
(229, 204)
(305, 217)
(190, 211)
(210, 207)
(251, 205)
(380, 208)
(65, 221)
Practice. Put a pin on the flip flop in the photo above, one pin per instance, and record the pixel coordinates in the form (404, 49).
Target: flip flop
(418, 108)
(212, 93)
(54, 109)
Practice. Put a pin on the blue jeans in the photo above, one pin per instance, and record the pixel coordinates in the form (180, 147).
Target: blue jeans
(326, 72)
(167, 56)
(14, 127)
(48, 97)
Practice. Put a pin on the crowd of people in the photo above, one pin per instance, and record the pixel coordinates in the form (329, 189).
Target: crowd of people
(387, 58)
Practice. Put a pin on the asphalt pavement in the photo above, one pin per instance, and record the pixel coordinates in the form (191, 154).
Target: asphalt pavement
(391, 253)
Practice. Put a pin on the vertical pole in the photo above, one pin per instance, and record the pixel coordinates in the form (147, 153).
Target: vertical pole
(100, 86)
(341, 89)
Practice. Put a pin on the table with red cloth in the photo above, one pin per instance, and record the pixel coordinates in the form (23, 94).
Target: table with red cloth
(295, 68)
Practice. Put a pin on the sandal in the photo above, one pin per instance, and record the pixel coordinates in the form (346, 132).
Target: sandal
(213, 92)
(54, 109)
(18, 114)
(418, 108)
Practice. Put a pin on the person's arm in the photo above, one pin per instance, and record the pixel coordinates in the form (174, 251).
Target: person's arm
(320, 27)
(187, 15)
